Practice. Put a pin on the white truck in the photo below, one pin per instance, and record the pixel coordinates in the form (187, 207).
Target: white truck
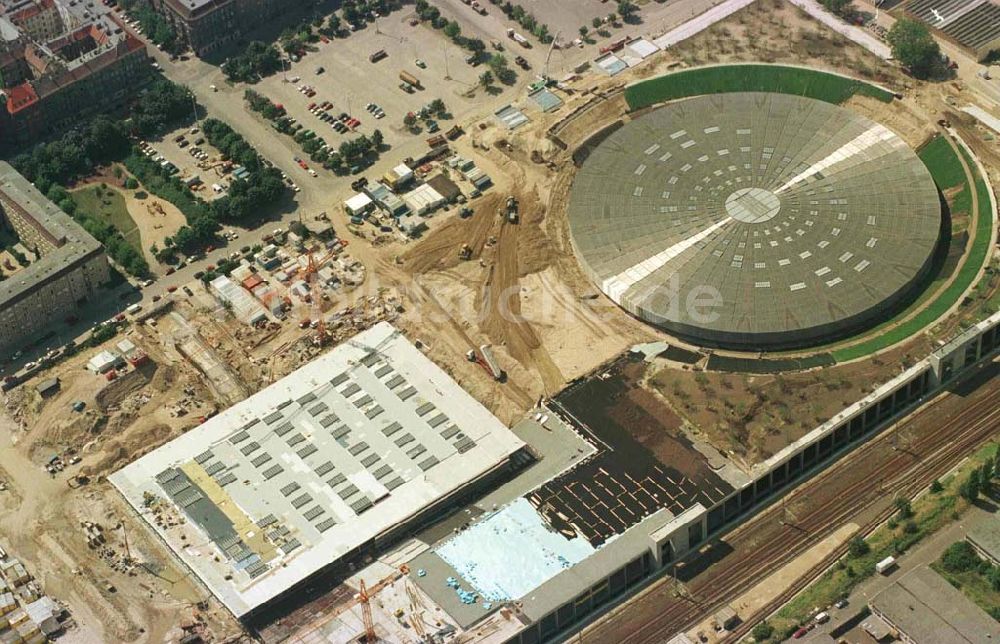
(518, 38)
(885, 565)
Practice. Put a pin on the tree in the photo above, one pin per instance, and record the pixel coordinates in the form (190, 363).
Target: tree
(626, 10)
(913, 46)
(131, 183)
(453, 30)
(986, 478)
(969, 489)
(377, 139)
(584, 31)
(903, 508)
(596, 22)
(486, 78)
(858, 547)
(936, 487)
(762, 631)
(437, 106)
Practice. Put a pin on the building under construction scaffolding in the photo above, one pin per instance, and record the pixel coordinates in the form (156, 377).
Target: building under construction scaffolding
(318, 471)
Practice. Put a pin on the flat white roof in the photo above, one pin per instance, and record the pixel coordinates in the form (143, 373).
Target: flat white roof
(423, 198)
(288, 481)
(358, 202)
(403, 171)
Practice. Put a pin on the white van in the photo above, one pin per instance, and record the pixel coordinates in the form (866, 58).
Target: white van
(135, 308)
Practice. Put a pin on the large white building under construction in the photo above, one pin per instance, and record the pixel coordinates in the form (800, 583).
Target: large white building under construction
(317, 471)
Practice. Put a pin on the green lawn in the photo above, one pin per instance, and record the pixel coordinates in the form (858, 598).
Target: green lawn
(931, 512)
(947, 172)
(940, 159)
(750, 78)
(110, 208)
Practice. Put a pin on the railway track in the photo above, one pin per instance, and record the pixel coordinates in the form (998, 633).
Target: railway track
(938, 435)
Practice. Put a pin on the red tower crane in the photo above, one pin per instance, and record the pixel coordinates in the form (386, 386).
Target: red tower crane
(366, 613)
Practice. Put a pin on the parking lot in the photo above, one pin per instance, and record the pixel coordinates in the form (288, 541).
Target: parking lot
(350, 82)
(189, 152)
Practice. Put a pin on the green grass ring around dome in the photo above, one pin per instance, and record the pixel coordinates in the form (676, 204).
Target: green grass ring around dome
(751, 77)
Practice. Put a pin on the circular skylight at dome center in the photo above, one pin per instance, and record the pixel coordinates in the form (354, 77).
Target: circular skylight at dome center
(753, 205)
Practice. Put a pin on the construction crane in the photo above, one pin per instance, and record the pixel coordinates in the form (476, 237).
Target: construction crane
(545, 70)
(312, 268)
(366, 613)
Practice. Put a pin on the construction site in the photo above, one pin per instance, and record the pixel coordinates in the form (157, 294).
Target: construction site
(497, 430)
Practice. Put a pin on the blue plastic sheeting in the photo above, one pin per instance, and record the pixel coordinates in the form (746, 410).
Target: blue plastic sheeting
(511, 552)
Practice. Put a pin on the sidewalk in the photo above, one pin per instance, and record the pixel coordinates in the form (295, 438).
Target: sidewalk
(858, 35)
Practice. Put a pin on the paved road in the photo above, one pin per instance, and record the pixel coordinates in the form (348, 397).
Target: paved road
(700, 23)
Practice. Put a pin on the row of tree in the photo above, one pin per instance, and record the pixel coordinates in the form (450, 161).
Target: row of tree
(518, 14)
(261, 188)
(337, 160)
(263, 105)
(451, 29)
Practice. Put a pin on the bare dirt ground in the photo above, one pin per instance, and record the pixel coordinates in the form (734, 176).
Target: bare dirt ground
(754, 416)
(156, 220)
(117, 592)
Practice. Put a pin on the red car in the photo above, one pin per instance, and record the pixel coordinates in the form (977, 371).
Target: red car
(799, 634)
(310, 106)
(171, 270)
(324, 38)
(171, 289)
(302, 164)
(156, 298)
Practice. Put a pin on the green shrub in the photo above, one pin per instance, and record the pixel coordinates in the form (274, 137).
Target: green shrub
(959, 557)
(858, 547)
